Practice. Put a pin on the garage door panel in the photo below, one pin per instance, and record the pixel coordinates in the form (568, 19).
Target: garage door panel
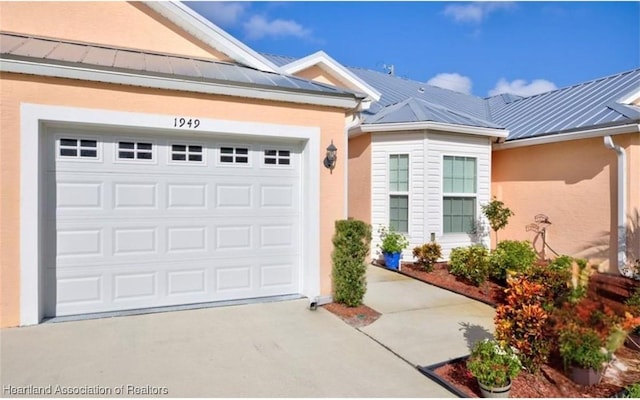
(164, 232)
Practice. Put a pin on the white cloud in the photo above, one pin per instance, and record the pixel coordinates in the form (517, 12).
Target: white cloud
(455, 82)
(224, 13)
(474, 12)
(520, 87)
(258, 27)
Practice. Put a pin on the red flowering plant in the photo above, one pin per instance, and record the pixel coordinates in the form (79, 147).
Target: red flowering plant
(523, 323)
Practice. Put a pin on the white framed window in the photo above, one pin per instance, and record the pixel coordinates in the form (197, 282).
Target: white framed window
(183, 153)
(133, 150)
(77, 148)
(277, 157)
(399, 192)
(460, 188)
(234, 155)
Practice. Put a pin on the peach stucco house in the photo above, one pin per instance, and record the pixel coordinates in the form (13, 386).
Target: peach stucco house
(149, 159)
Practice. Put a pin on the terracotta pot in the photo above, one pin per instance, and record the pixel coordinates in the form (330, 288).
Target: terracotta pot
(586, 376)
(494, 392)
(633, 341)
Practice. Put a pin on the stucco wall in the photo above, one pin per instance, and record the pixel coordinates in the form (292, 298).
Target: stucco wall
(317, 74)
(17, 89)
(360, 178)
(573, 183)
(115, 23)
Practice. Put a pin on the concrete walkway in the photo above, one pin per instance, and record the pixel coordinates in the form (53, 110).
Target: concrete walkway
(422, 323)
(260, 350)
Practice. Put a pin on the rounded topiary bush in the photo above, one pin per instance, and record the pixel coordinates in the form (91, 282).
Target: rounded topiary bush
(350, 248)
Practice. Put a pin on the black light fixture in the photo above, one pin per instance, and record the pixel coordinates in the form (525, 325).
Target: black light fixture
(331, 157)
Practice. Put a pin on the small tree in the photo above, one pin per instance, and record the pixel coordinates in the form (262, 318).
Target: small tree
(497, 214)
(350, 248)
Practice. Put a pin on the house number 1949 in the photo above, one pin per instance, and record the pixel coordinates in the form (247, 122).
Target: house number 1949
(186, 123)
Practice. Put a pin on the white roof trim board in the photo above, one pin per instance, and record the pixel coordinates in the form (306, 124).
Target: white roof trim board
(429, 125)
(204, 30)
(564, 137)
(333, 68)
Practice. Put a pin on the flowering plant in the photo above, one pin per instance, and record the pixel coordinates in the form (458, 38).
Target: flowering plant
(493, 364)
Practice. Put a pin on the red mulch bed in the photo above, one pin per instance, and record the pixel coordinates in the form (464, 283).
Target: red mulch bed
(489, 292)
(551, 381)
(357, 317)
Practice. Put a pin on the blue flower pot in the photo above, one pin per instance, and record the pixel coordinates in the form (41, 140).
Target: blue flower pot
(392, 260)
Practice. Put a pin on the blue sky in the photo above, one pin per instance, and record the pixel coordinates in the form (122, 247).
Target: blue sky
(481, 48)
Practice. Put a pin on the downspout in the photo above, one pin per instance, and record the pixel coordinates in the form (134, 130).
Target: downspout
(622, 206)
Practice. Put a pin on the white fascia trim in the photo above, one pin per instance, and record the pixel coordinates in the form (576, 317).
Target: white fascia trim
(207, 32)
(332, 67)
(439, 126)
(34, 116)
(563, 137)
(122, 78)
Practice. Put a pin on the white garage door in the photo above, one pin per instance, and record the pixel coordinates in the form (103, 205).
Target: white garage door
(144, 220)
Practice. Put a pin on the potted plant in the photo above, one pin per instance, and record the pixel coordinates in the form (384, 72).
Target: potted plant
(494, 366)
(583, 350)
(391, 244)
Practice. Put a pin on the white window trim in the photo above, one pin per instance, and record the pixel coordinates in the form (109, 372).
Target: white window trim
(292, 158)
(32, 243)
(468, 195)
(77, 158)
(399, 193)
(186, 163)
(135, 140)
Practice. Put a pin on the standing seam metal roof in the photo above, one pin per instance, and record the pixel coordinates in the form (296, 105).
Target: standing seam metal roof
(581, 106)
(38, 49)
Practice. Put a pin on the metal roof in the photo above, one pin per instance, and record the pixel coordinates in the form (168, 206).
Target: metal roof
(443, 105)
(55, 51)
(418, 110)
(585, 105)
(582, 106)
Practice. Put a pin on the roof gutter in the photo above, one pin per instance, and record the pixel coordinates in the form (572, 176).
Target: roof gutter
(563, 137)
(439, 126)
(622, 206)
(132, 79)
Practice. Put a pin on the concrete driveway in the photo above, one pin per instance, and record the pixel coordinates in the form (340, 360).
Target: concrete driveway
(278, 349)
(258, 350)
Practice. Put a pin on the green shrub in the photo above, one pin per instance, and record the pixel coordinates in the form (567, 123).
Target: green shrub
(633, 391)
(555, 278)
(470, 263)
(511, 256)
(350, 248)
(581, 347)
(427, 255)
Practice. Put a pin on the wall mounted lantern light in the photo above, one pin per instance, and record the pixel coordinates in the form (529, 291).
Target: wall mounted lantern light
(331, 157)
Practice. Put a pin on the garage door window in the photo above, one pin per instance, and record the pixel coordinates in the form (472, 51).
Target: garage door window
(78, 148)
(186, 153)
(277, 157)
(135, 151)
(234, 155)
